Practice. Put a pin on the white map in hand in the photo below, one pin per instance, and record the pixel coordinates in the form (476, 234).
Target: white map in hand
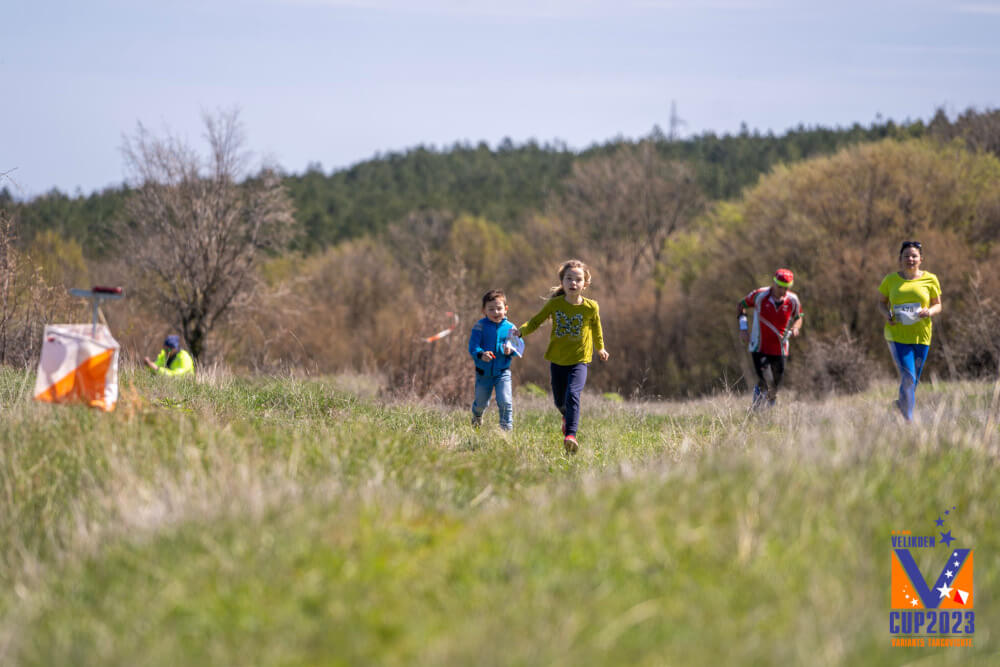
(906, 313)
(514, 345)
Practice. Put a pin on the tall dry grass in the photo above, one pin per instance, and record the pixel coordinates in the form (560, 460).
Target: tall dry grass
(305, 521)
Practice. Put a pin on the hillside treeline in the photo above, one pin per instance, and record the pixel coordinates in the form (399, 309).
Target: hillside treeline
(669, 321)
(670, 258)
(502, 184)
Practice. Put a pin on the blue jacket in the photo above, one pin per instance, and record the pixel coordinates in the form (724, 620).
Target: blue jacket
(488, 336)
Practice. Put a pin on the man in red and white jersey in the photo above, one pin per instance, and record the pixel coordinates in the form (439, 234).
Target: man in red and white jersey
(777, 315)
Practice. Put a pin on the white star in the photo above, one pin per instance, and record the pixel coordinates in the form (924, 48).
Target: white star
(948, 574)
(944, 590)
(913, 602)
(907, 597)
(955, 555)
(955, 563)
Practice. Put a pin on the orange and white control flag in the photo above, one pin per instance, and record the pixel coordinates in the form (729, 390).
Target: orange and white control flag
(441, 334)
(78, 365)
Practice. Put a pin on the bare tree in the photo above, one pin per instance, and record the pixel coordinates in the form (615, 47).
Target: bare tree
(27, 302)
(624, 207)
(196, 229)
(630, 202)
(9, 270)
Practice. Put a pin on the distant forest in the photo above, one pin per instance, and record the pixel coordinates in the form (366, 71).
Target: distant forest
(501, 184)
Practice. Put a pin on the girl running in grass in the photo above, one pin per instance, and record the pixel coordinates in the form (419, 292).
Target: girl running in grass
(576, 332)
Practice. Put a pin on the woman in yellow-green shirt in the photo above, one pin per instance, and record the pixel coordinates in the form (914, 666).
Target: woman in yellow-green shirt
(909, 299)
(576, 333)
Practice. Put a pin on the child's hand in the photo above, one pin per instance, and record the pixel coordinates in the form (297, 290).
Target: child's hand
(487, 356)
(603, 354)
(514, 331)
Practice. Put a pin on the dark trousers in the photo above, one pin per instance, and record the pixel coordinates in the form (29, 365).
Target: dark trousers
(770, 369)
(567, 384)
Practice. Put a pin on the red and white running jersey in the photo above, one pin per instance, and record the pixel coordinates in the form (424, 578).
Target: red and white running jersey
(772, 320)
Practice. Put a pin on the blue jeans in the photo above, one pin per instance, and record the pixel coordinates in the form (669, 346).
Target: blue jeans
(505, 404)
(910, 363)
(567, 385)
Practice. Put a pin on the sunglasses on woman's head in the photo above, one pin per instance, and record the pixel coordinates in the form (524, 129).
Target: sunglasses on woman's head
(911, 244)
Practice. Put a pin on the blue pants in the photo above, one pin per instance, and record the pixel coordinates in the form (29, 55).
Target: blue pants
(505, 404)
(567, 385)
(910, 363)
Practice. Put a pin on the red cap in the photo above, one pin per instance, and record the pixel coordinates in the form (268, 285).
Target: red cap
(784, 278)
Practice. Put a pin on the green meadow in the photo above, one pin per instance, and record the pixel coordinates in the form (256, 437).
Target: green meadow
(284, 521)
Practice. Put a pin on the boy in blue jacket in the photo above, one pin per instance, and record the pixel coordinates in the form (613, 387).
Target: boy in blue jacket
(492, 358)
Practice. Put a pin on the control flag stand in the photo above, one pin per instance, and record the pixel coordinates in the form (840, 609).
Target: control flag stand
(79, 362)
(97, 294)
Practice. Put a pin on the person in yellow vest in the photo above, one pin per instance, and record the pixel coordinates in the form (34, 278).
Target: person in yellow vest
(172, 360)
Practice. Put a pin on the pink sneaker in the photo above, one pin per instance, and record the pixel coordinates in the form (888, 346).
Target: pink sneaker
(570, 444)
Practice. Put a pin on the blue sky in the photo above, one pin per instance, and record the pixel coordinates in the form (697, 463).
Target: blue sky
(335, 81)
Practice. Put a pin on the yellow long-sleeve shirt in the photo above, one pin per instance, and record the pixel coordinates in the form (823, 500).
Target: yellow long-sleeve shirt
(576, 330)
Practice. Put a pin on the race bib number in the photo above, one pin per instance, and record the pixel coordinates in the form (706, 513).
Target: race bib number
(906, 313)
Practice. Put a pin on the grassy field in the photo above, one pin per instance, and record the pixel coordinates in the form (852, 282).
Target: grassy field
(300, 522)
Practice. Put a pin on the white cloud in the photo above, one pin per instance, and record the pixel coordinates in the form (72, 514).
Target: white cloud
(534, 8)
(935, 50)
(979, 8)
(464, 7)
(707, 4)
